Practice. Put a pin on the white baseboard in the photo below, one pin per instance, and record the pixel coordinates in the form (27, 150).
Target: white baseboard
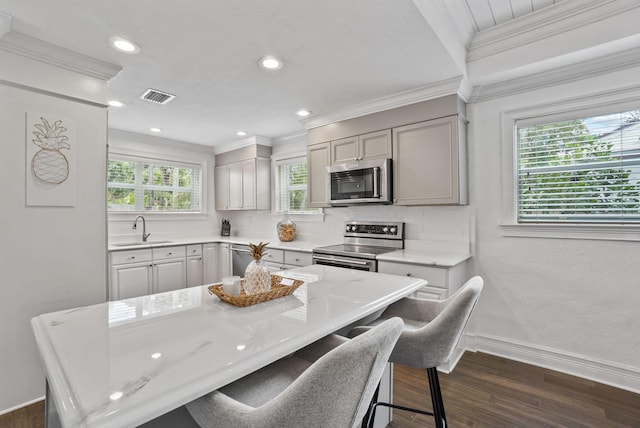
(20, 406)
(613, 374)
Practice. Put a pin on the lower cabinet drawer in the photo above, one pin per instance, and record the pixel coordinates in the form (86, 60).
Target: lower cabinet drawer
(130, 256)
(436, 277)
(297, 258)
(194, 250)
(273, 255)
(162, 253)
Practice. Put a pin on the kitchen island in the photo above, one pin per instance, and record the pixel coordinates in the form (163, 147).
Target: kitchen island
(127, 362)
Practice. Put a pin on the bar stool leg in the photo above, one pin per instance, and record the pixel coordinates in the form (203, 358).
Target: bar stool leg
(436, 398)
(368, 415)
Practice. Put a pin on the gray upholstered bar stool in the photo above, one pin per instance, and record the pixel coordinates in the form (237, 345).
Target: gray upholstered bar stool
(328, 384)
(431, 332)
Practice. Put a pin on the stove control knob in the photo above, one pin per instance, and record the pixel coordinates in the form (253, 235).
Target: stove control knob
(393, 230)
(385, 229)
(348, 228)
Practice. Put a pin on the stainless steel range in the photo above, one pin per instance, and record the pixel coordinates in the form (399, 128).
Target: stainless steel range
(363, 241)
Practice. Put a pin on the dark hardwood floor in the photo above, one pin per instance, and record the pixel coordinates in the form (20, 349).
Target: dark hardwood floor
(483, 391)
(489, 391)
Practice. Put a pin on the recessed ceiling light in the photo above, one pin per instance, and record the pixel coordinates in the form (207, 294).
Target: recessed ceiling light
(303, 112)
(241, 133)
(115, 103)
(270, 62)
(155, 129)
(124, 45)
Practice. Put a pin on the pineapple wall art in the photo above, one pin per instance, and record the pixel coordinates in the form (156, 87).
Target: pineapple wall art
(50, 160)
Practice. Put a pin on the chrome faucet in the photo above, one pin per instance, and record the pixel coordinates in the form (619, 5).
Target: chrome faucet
(145, 235)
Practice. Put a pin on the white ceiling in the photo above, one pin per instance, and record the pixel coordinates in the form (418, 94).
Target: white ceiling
(337, 54)
(489, 13)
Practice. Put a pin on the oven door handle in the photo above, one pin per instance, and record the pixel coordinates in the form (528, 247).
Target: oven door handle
(339, 260)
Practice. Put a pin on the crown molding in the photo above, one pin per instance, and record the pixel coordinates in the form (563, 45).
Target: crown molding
(429, 92)
(45, 52)
(453, 25)
(5, 23)
(249, 141)
(582, 70)
(543, 23)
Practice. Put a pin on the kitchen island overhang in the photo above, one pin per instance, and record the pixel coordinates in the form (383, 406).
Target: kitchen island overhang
(126, 362)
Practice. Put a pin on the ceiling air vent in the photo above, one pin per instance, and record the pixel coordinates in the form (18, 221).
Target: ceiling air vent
(155, 96)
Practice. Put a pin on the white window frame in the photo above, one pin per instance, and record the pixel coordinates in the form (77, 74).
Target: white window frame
(596, 104)
(163, 159)
(291, 157)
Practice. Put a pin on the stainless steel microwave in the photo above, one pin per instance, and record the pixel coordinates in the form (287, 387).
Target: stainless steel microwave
(360, 182)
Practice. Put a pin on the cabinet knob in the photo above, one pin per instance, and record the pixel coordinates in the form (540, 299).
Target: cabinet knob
(408, 273)
(169, 254)
(133, 257)
(297, 259)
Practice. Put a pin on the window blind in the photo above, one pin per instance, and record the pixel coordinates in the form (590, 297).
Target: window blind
(584, 170)
(291, 186)
(153, 185)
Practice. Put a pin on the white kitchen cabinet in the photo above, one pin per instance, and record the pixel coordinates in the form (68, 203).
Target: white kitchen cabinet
(211, 263)
(195, 265)
(130, 280)
(318, 159)
(221, 178)
(442, 281)
(430, 162)
(131, 274)
(169, 275)
(226, 267)
(374, 145)
(243, 185)
(169, 268)
(296, 258)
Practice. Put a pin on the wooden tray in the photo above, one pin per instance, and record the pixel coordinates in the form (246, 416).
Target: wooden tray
(242, 299)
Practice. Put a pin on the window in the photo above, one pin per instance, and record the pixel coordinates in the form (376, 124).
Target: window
(291, 186)
(137, 184)
(584, 170)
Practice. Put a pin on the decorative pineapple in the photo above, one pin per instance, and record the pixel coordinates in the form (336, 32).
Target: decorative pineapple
(49, 165)
(257, 278)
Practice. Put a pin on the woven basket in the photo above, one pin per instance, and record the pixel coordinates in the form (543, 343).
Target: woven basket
(242, 299)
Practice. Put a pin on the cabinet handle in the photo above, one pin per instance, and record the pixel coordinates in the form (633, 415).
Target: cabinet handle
(169, 254)
(408, 273)
(297, 259)
(133, 257)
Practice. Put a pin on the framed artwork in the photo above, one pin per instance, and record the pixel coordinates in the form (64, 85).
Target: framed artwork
(50, 160)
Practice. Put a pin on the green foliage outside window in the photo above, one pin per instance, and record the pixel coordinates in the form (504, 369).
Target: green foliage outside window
(137, 186)
(567, 173)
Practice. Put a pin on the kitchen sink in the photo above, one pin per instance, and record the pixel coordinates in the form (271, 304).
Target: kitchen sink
(132, 243)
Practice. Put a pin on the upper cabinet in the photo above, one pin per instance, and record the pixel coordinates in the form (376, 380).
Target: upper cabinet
(242, 179)
(429, 163)
(318, 159)
(374, 145)
(426, 142)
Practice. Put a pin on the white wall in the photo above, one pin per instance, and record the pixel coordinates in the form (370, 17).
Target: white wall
(566, 304)
(53, 258)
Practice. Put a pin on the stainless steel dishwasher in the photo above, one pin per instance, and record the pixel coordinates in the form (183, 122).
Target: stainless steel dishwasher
(241, 257)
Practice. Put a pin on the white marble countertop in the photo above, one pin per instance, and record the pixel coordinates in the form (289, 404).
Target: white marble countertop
(126, 362)
(426, 257)
(304, 246)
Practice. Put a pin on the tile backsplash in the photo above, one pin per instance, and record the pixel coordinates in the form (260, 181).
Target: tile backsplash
(424, 226)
